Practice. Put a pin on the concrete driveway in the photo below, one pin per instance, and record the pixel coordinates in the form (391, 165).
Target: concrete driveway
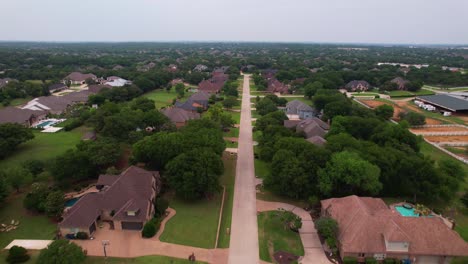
(244, 229)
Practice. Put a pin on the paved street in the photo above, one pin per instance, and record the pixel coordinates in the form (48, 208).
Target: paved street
(244, 230)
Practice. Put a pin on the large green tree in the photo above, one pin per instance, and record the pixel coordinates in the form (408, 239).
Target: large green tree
(12, 135)
(347, 173)
(195, 174)
(60, 252)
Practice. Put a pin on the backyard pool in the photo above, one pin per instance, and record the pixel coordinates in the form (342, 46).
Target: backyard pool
(71, 202)
(407, 212)
(46, 123)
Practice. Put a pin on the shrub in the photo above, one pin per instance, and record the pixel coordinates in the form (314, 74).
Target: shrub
(151, 228)
(371, 261)
(34, 166)
(390, 261)
(74, 123)
(61, 251)
(17, 255)
(81, 235)
(350, 260)
(160, 207)
(327, 227)
(464, 199)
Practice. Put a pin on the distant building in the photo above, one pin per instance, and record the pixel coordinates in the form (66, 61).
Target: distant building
(356, 85)
(275, 86)
(116, 81)
(400, 82)
(179, 116)
(125, 201)
(57, 87)
(78, 78)
(312, 129)
(214, 84)
(446, 102)
(5, 81)
(198, 100)
(200, 68)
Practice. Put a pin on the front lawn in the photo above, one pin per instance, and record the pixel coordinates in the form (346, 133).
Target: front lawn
(228, 180)
(273, 236)
(196, 222)
(236, 116)
(164, 98)
(139, 260)
(262, 168)
(233, 132)
(30, 227)
(44, 146)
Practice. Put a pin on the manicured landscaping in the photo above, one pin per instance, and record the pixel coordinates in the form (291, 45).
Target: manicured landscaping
(255, 114)
(274, 236)
(409, 94)
(236, 116)
(164, 98)
(196, 222)
(233, 132)
(230, 144)
(139, 260)
(262, 168)
(30, 227)
(44, 146)
(228, 180)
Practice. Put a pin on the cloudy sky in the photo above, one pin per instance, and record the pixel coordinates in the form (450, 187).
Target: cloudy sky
(351, 21)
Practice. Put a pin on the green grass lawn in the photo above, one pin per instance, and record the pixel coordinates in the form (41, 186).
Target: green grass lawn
(30, 227)
(139, 260)
(299, 98)
(164, 98)
(236, 116)
(262, 168)
(17, 101)
(255, 114)
(273, 236)
(256, 134)
(44, 146)
(409, 94)
(196, 222)
(233, 132)
(446, 89)
(230, 144)
(228, 180)
(364, 94)
(423, 92)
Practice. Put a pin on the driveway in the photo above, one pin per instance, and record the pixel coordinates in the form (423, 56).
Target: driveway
(313, 251)
(130, 244)
(244, 229)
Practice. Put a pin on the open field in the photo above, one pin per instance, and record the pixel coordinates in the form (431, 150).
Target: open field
(409, 94)
(44, 146)
(274, 236)
(439, 129)
(374, 104)
(447, 138)
(196, 222)
(446, 89)
(164, 98)
(139, 260)
(31, 226)
(454, 119)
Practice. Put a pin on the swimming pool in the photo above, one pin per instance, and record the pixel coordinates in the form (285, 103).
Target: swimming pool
(46, 123)
(71, 202)
(406, 212)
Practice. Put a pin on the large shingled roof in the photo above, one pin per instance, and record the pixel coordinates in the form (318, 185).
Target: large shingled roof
(445, 101)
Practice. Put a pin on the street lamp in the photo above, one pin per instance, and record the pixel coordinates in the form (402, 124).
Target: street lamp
(104, 244)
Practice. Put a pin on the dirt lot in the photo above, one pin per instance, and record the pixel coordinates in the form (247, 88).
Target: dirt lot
(439, 129)
(373, 104)
(447, 138)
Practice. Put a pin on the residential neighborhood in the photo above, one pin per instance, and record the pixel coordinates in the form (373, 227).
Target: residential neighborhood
(244, 136)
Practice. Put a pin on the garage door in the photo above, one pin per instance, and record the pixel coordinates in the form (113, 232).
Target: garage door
(427, 260)
(132, 225)
(92, 228)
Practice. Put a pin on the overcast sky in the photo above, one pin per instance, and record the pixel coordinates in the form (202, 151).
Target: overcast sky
(351, 21)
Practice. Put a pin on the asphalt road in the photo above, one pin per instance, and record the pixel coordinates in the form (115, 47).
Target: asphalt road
(244, 230)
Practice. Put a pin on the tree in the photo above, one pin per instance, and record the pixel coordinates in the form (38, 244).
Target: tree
(180, 89)
(347, 173)
(17, 254)
(3, 188)
(158, 149)
(230, 102)
(54, 204)
(311, 88)
(414, 119)
(217, 114)
(265, 106)
(195, 174)
(150, 228)
(61, 251)
(144, 84)
(36, 197)
(34, 166)
(72, 166)
(142, 103)
(160, 207)
(17, 177)
(12, 135)
(384, 111)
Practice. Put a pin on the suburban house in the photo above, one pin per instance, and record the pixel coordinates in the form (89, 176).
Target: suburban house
(96, 88)
(78, 78)
(198, 100)
(172, 68)
(400, 82)
(357, 86)
(221, 69)
(24, 117)
(57, 87)
(179, 116)
(57, 104)
(214, 84)
(311, 128)
(275, 86)
(296, 109)
(125, 201)
(147, 67)
(200, 68)
(368, 228)
(5, 81)
(115, 81)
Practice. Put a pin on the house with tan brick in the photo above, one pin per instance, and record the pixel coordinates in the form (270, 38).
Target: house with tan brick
(368, 228)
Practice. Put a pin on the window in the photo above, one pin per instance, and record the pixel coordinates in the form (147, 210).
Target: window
(131, 213)
(361, 255)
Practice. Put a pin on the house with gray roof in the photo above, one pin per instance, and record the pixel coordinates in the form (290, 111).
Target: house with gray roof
(312, 129)
(5, 81)
(20, 116)
(57, 87)
(78, 78)
(298, 109)
(125, 201)
(195, 101)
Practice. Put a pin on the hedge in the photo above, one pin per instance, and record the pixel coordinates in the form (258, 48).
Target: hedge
(350, 260)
